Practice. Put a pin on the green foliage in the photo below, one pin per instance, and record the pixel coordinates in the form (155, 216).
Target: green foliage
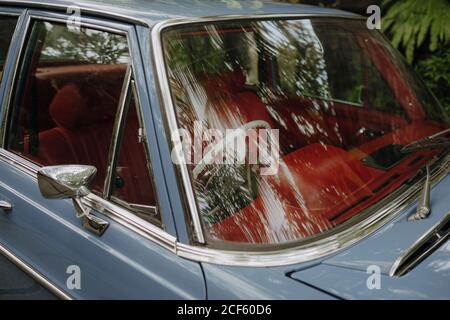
(411, 23)
(421, 29)
(435, 69)
(87, 45)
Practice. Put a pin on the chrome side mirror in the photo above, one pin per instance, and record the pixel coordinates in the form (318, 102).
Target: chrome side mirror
(71, 182)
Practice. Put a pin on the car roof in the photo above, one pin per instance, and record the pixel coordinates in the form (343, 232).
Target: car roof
(151, 12)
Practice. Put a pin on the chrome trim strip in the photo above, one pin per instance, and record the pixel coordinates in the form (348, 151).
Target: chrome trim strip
(385, 210)
(159, 26)
(396, 204)
(303, 253)
(9, 93)
(168, 105)
(132, 222)
(395, 270)
(142, 138)
(113, 211)
(9, 14)
(117, 133)
(34, 274)
(24, 165)
(62, 18)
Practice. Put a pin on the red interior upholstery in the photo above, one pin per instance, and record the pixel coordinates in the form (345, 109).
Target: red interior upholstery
(132, 166)
(390, 72)
(310, 122)
(351, 119)
(312, 185)
(49, 79)
(231, 105)
(82, 135)
(84, 115)
(319, 186)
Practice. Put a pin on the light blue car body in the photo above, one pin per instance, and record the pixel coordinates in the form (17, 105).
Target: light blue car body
(40, 238)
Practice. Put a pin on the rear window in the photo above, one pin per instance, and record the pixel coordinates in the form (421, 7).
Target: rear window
(7, 27)
(68, 95)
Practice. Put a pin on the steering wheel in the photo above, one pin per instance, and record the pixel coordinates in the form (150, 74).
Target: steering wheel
(216, 149)
(225, 141)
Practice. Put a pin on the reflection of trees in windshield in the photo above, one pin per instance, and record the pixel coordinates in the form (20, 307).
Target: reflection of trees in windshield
(301, 63)
(335, 92)
(89, 46)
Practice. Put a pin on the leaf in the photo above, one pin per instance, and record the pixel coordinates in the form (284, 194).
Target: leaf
(410, 52)
(411, 22)
(423, 31)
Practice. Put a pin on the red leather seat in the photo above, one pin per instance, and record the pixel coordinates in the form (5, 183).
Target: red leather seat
(313, 186)
(85, 119)
(231, 105)
(83, 132)
(303, 123)
(132, 166)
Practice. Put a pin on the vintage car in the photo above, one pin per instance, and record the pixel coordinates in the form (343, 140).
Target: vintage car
(104, 193)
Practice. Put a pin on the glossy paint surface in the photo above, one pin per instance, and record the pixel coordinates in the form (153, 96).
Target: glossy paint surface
(151, 12)
(384, 247)
(257, 283)
(344, 275)
(48, 237)
(18, 285)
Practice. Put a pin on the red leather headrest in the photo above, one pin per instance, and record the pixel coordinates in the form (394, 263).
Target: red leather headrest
(235, 80)
(228, 82)
(75, 107)
(67, 108)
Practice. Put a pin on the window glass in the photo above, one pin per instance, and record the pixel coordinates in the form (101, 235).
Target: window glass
(336, 69)
(132, 184)
(204, 55)
(337, 101)
(67, 96)
(7, 27)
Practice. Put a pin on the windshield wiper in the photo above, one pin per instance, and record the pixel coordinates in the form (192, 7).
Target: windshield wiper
(433, 141)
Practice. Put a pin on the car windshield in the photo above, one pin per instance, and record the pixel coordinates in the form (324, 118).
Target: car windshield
(292, 127)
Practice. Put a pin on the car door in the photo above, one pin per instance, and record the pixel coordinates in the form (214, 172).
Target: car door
(14, 283)
(72, 97)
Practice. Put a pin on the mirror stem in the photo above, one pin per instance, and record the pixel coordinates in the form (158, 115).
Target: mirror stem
(89, 221)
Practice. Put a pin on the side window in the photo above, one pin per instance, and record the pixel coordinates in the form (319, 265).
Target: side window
(67, 96)
(7, 27)
(132, 183)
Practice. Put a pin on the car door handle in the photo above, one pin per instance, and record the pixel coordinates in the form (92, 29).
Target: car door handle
(6, 206)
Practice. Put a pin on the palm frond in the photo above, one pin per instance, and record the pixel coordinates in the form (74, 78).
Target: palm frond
(412, 23)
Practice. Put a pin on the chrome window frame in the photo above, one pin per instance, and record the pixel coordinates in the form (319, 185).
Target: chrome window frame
(129, 90)
(380, 214)
(117, 132)
(107, 207)
(201, 253)
(20, 13)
